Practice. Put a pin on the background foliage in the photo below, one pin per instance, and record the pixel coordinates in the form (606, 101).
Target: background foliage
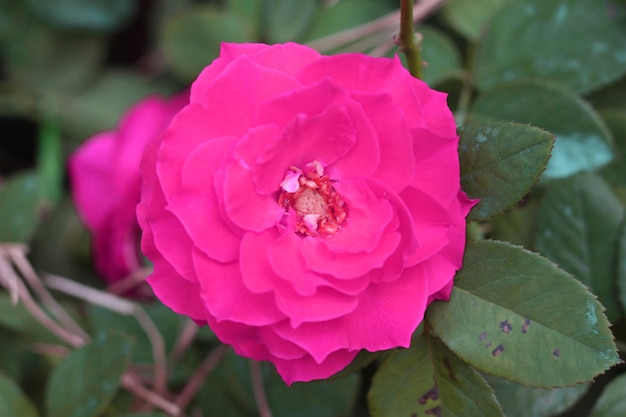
(527, 329)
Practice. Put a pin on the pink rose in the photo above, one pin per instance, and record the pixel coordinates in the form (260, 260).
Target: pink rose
(106, 185)
(304, 206)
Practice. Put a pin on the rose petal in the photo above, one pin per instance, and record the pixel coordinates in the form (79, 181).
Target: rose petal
(293, 56)
(197, 208)
(396, 167)
(368, 218)
(307, 369)
(259, 343)
(319, 258)
(384, 318)
(362, 73)
(226, 298)
(168, 235)
(325, 137)
(434, 155)
(89, 168)
(244, 205)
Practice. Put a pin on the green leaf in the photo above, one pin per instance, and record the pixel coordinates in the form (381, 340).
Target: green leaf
(143, 415)
(168, 323)
(100, 107)
(500, 162)
(577, 228)
(515, 315)
(96, 15)
(440, 54)
(428, 379)
(621, 266)
(228, 392)
(13, 402)
(516, 225)
(616, 121)
(611, 97)
(84, 383)
(46, 60)
(191, 39)
(612, 402)
(469, 17)
(579, 44)
(20, 207)
(583, 141)
(520, 401)
(287, 20)
(68, 253)
(18, 319)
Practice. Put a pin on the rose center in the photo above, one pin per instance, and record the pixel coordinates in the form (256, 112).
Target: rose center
(319, 207)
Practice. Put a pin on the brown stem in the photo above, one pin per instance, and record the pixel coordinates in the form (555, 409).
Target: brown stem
(259, 389)
(124, 307)
(134, 386)
(389, 21)
(14, 282)
(184, 340)
(17, 253)
(129, 282)
(196, 380)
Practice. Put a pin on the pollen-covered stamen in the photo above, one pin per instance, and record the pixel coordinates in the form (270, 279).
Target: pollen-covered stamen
(319, 208)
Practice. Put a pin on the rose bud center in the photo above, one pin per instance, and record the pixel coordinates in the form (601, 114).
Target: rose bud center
(310, 193)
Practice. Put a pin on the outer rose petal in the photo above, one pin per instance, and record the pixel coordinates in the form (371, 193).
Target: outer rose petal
(385, 142)
(104, 174)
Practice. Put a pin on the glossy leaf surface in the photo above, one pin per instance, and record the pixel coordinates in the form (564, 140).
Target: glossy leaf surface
(583, 142)
(84, 383)
(13, 402)
(500, 162)
(515, 315)
(580, 44)
(577, 228)
(428, 379)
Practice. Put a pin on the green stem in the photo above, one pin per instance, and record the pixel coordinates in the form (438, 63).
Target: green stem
(50, 155)
(409, 44)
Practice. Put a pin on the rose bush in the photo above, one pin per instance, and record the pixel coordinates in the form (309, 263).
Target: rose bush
(304, 206)
(106, 185)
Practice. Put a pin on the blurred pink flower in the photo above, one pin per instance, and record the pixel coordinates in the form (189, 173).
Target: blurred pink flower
(106, 185)
(304, 206)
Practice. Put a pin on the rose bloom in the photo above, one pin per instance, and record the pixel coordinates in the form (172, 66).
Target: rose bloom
(304, 206)
(106, 185)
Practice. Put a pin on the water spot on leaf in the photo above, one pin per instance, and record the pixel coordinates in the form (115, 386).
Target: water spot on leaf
(525, 326)
(561, 14)
(497, 351)
(431, 394)
(506, 327)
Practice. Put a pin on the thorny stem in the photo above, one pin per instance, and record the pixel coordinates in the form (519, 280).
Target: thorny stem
(407, 41)
(385, 23)
(196, 380)
(259, 390)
